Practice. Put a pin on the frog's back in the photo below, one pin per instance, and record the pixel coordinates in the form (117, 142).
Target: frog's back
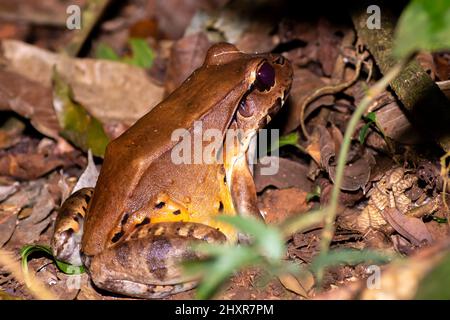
(137, 164)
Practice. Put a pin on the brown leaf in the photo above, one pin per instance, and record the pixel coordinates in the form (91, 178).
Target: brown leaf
(8, 218)
(25, 161)
(301, 284)
(29, 229)
(187, 54)
(30, 99)
(411, 228)
(278, 205)
(109, 90)
(290, 174)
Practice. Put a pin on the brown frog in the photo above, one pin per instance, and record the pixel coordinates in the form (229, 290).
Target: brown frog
(135, 228)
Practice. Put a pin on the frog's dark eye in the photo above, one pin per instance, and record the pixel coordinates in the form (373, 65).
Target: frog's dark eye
(265, 77)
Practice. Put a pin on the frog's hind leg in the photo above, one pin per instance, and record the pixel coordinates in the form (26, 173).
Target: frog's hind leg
(66, 239)
(147, 262)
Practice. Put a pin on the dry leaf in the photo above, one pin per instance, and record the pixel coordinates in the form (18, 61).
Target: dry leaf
(278, 205)
(30, 99)
(109, 90)
(289, 174)
(411, 228)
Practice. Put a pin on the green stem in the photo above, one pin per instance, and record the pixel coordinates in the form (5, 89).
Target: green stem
(373, 92)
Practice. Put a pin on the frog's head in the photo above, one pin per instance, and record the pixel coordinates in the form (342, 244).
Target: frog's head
(268, 79)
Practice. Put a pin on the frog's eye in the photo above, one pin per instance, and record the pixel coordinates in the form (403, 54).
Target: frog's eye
(265, 77)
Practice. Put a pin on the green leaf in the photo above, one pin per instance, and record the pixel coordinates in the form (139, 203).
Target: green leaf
(347, 257)
(78, 126)
(290, 139)
(436, 284)
(105, 52)
(370, 118)
(423, 25)
(27, 250)
(142, 55)
(440, 220)
(268, 239)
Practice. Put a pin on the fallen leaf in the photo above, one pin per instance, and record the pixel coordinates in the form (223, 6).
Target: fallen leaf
(8, 190)
(88, 178)
(279, 205)
(289, 174)
(109, 90)
(300, 285)
(29, 99)
(411, 228)
(25, 161)
(29, 229)
(186, 55)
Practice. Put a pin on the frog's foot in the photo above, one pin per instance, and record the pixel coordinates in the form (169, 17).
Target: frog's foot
(66, 239)
(146, 264)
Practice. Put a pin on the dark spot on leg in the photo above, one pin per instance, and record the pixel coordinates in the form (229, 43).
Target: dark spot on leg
(220, 206)
(177, 212)
(158, 251)
(87, 198)
(125, 218)
(117, 237)
(191, 231)
(144, 222)
(123, 253)
(160, 205)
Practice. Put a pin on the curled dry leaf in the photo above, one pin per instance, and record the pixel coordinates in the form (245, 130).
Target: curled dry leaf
(187, 54)
(88, 178)
(29, 229)
(289, 174)
(25, 160)
(30, 99)
(411, 228)
(109, 90)
(327, 141)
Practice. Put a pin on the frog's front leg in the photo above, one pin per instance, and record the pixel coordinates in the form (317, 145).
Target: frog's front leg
(147, 263)
(243, 189)
(69, 227)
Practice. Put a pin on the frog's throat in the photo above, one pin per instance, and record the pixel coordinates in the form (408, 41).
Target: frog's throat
(242, 152)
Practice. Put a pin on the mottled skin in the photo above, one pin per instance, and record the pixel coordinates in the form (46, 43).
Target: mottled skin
(145, 209)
